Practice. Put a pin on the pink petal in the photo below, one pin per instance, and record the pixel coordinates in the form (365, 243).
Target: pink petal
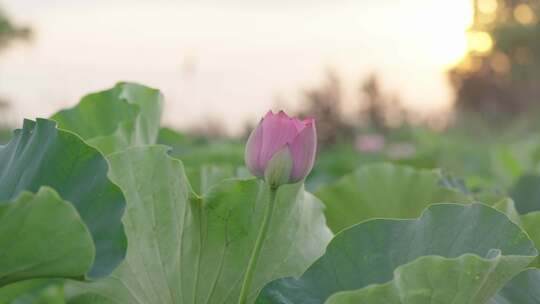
(299, 125)
(278, 130)
(268, 114)
(304, 148)
(282, 114)
(308, 121)
(253, 151)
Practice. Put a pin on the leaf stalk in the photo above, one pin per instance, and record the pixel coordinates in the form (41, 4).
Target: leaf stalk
(261, 237)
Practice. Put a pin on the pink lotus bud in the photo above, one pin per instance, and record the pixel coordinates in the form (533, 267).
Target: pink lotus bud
(282, 149)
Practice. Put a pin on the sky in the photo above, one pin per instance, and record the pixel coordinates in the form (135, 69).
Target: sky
(231, 61)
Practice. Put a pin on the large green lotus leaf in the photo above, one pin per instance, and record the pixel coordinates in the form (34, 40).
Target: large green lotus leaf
(385, 191)
(39, 291)
(39, 155)
(522, 289)
(184, 248)
(468, 279)
(126, 115)
(42, 235)
(486, 249)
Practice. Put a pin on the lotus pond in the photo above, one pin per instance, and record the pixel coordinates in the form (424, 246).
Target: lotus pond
(102, 204)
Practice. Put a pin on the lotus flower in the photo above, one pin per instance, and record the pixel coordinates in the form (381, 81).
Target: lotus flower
(282, 149)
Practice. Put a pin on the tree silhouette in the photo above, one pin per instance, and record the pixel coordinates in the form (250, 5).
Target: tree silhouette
(378, 108)
(500, 76)
(324, 103)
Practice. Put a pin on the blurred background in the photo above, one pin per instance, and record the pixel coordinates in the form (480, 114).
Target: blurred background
(429, 83)
(230, 62)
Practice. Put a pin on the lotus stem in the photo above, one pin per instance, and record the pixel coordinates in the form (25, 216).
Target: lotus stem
(261, 237)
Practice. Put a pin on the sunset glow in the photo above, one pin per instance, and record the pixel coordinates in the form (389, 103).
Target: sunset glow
(201, 52)
(454, 19)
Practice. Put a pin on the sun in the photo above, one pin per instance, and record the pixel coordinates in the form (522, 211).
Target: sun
(451, 20)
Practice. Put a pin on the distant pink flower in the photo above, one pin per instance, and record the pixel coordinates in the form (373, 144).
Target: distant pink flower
(370, 143)
(282, 149)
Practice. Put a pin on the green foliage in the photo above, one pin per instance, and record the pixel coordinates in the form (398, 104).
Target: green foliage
(197, 153)
(194, 216)
(41, 155)
(5, 135)
(453, 252)
(29, 241)
(185, 248)
(206, 162)
(112, 120)
(526, 193)
(522, 289)
(33, 292)
(384, 191)
(433, 279)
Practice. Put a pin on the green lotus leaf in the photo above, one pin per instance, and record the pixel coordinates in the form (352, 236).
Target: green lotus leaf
(468, 279)
(465, 252)
(522, 289)
(42, 235)
(112, 120)
(39, 155)
(385, 191)
(185, 248)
